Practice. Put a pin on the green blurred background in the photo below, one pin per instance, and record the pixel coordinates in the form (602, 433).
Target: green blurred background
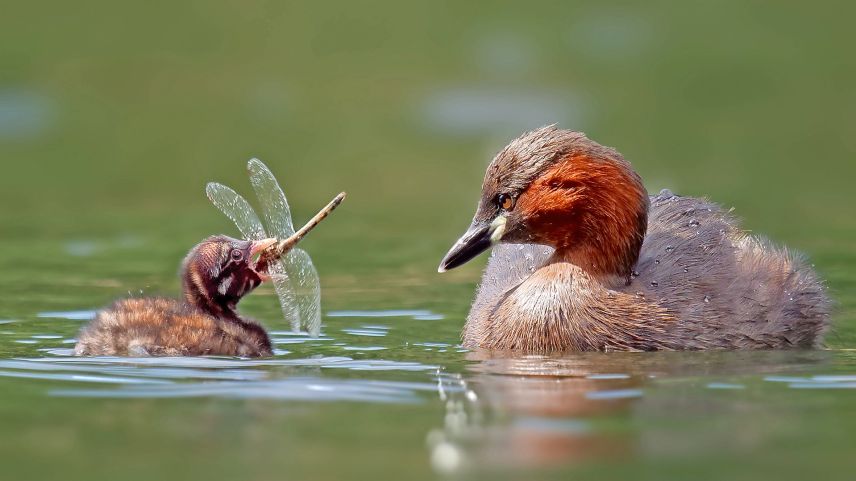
(114, 115)
(124, 110)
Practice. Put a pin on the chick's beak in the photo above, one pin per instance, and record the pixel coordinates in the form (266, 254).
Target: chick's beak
(257, 247)
(260, 245)
(479, 237)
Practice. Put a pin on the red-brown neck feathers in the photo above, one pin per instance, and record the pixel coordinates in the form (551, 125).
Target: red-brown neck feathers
(592, 208)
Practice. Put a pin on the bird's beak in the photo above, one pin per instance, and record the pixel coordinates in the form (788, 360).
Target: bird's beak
(260, 245)
(478, 238)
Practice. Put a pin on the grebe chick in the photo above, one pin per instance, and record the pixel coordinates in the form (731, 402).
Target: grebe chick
(600, 266)
(216, 275)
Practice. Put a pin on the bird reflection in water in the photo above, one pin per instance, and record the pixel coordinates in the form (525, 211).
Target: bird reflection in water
(511, 411)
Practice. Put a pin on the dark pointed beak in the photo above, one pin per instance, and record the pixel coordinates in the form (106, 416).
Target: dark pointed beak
(476, 240)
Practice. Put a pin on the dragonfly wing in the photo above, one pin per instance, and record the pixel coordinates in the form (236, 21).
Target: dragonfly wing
(237, 209)
(307, 288)
(301, 276)
(288, 300)
(275, 209)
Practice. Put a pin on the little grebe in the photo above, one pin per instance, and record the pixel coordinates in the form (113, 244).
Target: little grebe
(599, 265)
(216, 275)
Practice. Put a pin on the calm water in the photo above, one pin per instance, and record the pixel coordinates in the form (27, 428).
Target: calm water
(386, 392)
(113, 117)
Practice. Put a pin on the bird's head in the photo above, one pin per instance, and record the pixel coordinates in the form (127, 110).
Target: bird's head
(220, 270)
(558, 188)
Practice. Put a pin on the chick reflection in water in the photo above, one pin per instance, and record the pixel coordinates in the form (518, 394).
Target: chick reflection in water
(216, 275)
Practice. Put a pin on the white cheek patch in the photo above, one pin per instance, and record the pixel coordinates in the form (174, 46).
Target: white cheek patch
(224, 286)
(497, 229)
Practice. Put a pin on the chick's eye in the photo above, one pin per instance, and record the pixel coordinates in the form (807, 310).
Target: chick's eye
(505, 201)
(236, 254)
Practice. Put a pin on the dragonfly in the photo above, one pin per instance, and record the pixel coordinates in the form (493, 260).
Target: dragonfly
(290, 268)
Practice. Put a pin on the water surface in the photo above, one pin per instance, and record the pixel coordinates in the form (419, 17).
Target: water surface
(113, 116)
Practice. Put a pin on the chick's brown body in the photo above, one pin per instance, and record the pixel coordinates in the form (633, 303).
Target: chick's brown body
(216, 274)
(169, 327)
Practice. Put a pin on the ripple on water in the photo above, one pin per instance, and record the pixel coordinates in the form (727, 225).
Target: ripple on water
(222, 377)
(78, 377)
(72, 315)
(435, 346)
(614, 394)
(57, 351)
(296, 337)
(840, 381)
(416, 314)
(608, 376)
(725, 385)
(366, 332)
(292, 389)
(297, 340)
(431, 344)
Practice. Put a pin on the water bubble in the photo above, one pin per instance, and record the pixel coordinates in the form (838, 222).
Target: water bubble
(654, 283)
(706, 299)
(670, 248)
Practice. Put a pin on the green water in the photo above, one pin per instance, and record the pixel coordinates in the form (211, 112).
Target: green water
(114, 116)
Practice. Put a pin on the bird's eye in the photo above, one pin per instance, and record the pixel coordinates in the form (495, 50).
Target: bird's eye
(505, 201)
(237, 254)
